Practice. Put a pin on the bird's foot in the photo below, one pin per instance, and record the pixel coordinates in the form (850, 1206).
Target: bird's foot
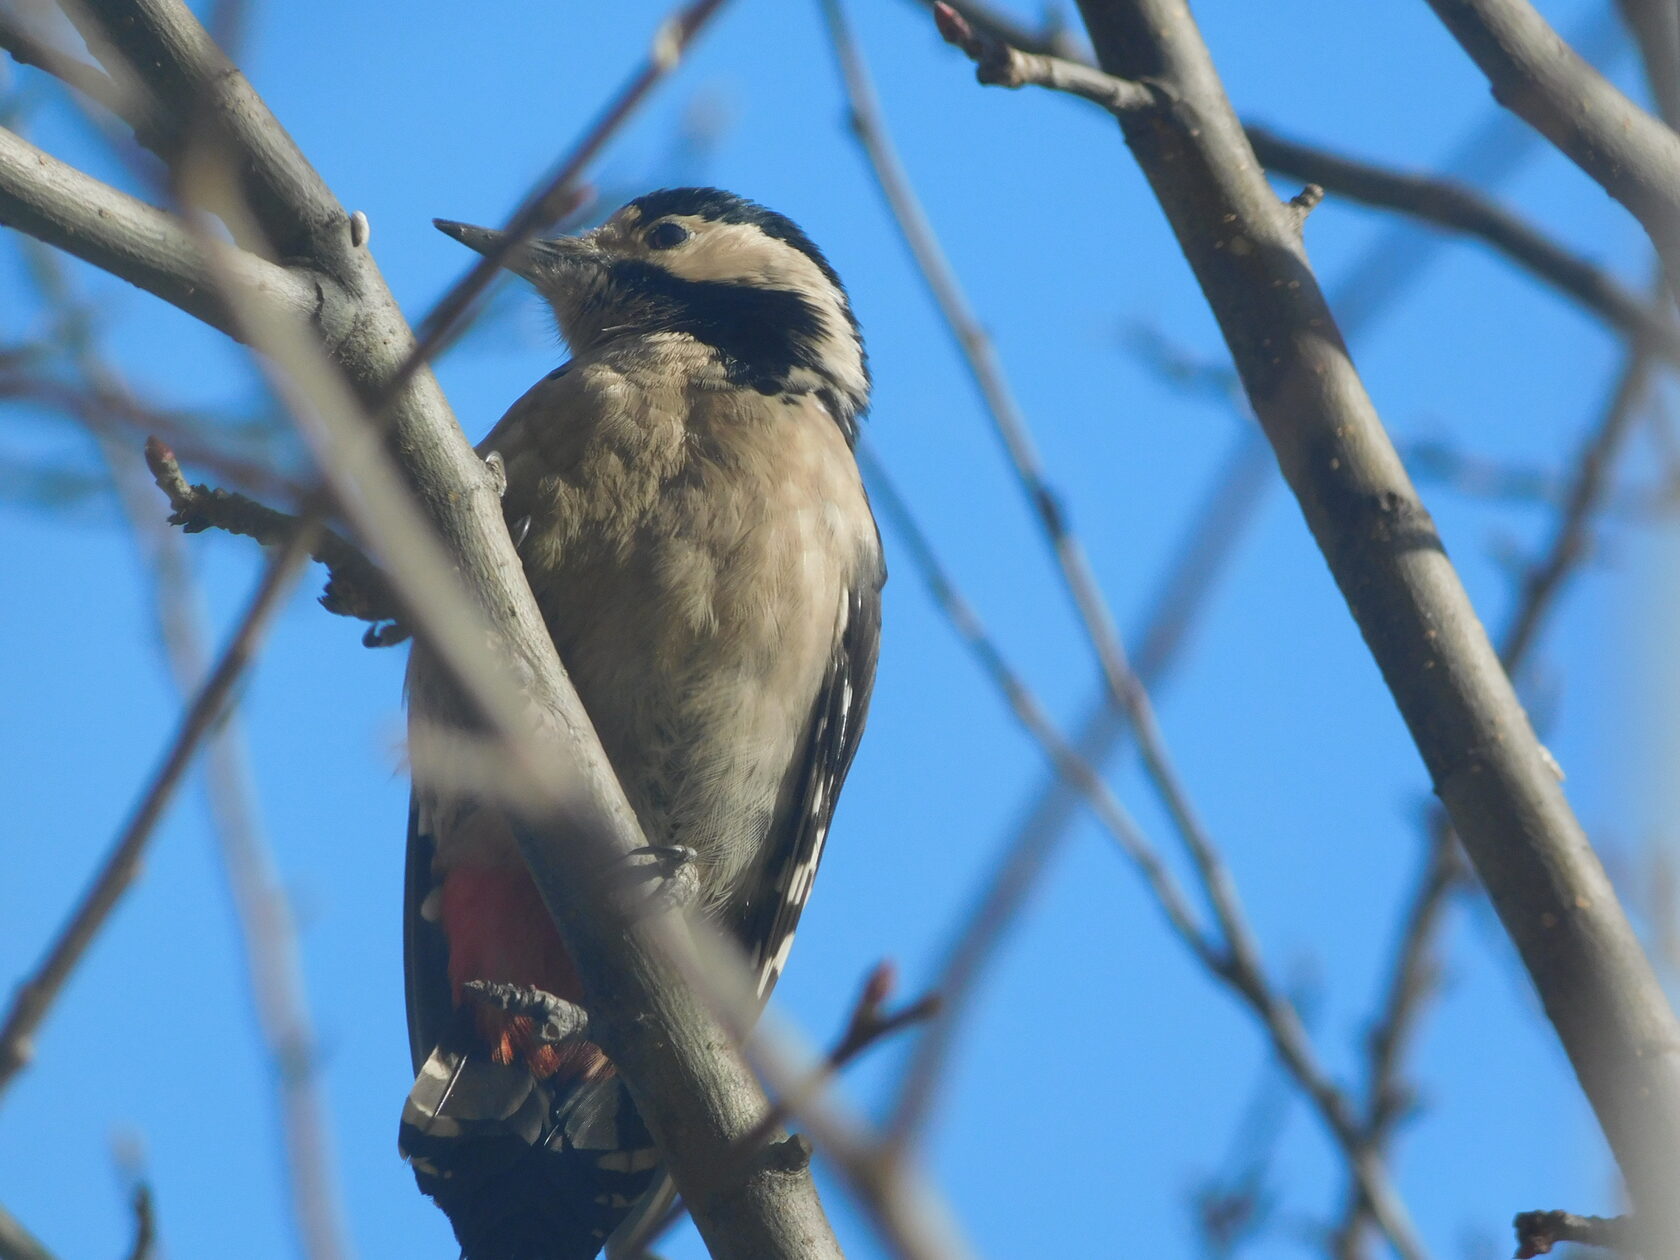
(553, 1020)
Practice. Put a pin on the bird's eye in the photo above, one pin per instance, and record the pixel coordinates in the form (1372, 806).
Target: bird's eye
(666, 235)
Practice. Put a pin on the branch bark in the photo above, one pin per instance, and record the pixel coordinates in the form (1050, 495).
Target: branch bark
(1535, 74)
(1495, 780)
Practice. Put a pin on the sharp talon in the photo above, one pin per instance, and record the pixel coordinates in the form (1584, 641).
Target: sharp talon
(674, 866)
(554, 1019)
(521, 527)
(498, 472)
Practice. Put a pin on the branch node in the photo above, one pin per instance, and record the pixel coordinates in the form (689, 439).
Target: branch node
(355, 587)
(361, 231)
(1539, 1232)
(1304, 203)
(1000, 64)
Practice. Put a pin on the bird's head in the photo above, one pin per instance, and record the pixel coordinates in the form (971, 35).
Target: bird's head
(742, 280)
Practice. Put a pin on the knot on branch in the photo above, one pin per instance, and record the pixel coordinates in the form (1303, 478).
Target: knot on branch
(1539, 1232)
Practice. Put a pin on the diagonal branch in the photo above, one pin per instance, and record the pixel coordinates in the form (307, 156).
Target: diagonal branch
(37, 993)
(1498, 785)
(1447, 204)
(1536, 75)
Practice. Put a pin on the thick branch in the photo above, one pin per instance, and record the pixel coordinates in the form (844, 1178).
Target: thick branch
(139, 243)
(1457, 208)
(1487, 766)
(1538, 76)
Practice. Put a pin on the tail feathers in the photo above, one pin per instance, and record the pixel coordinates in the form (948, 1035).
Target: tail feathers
(525, 1169)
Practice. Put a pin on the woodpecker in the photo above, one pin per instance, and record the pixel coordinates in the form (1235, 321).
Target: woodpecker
(685, 500)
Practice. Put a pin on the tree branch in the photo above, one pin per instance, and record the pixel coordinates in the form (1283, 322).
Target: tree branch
(1441, 202)
(37, 993)
(1539, 1232)
(120, 234)
(356, 588)
(1536, 75)
(1457, 208)
(1475, 739)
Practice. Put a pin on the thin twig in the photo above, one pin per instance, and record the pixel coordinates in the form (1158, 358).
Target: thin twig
(1442, 202)
(1535, 74)
(268, 930)
(356, 588)
(869, 1023)
(1448, 204)
(1237, 965)
(1238, 959)
(37, 993)
(558, 194)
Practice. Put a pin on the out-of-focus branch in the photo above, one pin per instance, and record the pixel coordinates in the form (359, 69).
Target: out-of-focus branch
(1498, 785)
(37, 993)
(17, 1243)
(870, 1022)
(123, 418)
(1228, 954)
(1235, 956)
(356, 587)
(28, 50)
(267, 926)
(1536, 75)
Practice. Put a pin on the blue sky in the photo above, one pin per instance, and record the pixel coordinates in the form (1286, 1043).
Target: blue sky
(1102, 1076)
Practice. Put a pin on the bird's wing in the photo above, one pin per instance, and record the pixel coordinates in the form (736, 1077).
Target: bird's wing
(765, 926)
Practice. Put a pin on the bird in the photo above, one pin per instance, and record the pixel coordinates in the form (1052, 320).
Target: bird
(685, 499)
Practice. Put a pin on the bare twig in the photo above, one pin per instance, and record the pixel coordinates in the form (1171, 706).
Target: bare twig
(356, 588)
(558, 194)
(1237, 958)
(28, 50)
(36, 994)
(1441, 202)
(1539, 1232)
(1000, 64)
(144, 1246)
(269, 933)
(869, 1022)
(123, 417)
(136, 242)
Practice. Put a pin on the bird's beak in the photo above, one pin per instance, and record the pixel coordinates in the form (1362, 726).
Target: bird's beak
(534, 259)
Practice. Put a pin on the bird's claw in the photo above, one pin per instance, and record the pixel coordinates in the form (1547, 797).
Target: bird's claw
(554, 1019)
(673, 867)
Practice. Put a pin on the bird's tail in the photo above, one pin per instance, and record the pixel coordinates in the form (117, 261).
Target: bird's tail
(525, 1169)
